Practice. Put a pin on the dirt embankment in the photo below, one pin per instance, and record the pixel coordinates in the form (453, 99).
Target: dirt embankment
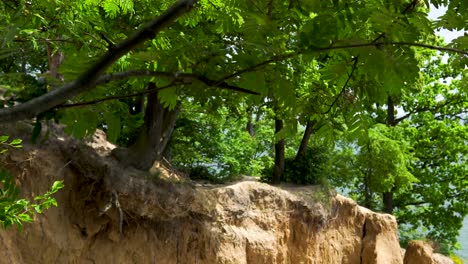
(160, 218)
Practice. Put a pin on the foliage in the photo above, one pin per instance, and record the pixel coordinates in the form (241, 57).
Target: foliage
(432, 134)
(14, 211)
(15, 143)
(306, 170)
(385, 160)
(217, 139)
(374, 165)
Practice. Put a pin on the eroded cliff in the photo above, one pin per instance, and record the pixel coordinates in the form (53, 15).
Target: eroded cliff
(169, 220)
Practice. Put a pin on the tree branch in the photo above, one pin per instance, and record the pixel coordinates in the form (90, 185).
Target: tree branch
(430, 109)
(176, 79)
(87, 80)
(116, 97)
(344, 86)
(379, 44)
(43, 39)
(186, 78)
(256, 66)
(416, 203)
(351, 46)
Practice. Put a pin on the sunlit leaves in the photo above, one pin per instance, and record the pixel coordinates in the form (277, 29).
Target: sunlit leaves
(14, 211)
(392, 69)
(168, 97)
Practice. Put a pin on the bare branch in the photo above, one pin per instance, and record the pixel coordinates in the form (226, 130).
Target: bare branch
(87, 80)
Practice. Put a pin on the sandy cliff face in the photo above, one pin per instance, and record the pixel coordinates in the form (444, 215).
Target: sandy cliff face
(163, 222)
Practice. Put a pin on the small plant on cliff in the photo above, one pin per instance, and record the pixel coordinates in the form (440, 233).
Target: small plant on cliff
(14, 211)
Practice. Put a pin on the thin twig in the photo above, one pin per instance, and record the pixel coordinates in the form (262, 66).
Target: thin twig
(119, 210)
(177, 79)
(115, 97)
(377, 44)
(256, 66)
(430, 109)
(43, 39)
(344, 86)
(350, 46)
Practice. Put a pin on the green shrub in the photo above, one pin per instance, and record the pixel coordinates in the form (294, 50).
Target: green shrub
(306, 170)
(205, 173)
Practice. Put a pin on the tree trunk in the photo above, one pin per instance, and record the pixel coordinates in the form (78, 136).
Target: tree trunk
(390, 112)
(159, 123)
(367, 193)
(388, 202)
(388, 196)
(55, 59)
(305, 140)
(250, 126)
(278, 169)
(137, 105)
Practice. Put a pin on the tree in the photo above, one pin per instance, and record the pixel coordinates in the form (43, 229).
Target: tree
(431, 136)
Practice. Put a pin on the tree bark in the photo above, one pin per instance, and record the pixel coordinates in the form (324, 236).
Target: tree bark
(159, 123)
(55, 59)
(388, 196)
(388, 202)
(367, 193)
(305, 140)
(250, 126)
(137, 105)
(278, 168)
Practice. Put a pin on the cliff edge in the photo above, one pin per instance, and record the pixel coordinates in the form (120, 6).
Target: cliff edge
(112, 214)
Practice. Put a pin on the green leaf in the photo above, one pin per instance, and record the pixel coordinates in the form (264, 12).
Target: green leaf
(169, 97)
(25, 218)
(113, 126)
(57, 185)
(254, 81)
(4, 139)
(16, 141)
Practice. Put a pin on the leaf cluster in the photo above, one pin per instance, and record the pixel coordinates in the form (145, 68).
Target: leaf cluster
(14, 211)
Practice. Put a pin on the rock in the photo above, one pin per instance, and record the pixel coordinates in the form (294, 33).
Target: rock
(380, 243)
(99, 142)
(418, 252)
(441, 259)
